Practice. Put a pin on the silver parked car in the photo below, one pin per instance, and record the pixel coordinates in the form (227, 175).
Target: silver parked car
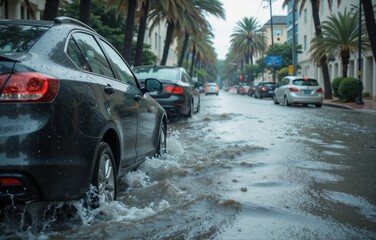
(298, 90)
(211, 88)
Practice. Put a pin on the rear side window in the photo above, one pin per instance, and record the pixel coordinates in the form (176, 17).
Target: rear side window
(19, 38)
(305, 82)
(92, 53)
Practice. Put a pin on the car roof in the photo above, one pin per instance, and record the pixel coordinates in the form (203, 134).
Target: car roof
(43, 23)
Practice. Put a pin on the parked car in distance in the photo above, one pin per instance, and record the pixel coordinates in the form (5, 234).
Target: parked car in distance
(73, 115)
(252, 88)
(298, 90)
(211, 88)
(264, 89)
(180, 95)
(244, 89)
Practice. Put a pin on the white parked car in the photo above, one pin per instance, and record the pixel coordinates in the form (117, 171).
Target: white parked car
(211, 88)
(298, 90)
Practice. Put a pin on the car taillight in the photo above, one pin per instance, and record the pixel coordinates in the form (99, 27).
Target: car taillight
(216, 88)
(9, 181)
(174, 90)
(320, 90)
(263, 88)
(28, 87)
(207, 87)
(293, 89)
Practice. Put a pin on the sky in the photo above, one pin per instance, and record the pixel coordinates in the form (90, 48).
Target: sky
(235, 10)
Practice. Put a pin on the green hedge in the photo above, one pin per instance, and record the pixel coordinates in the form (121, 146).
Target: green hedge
(335, 85)
(348, 89)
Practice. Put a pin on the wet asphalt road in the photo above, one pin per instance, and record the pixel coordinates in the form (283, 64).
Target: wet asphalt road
(242, 168)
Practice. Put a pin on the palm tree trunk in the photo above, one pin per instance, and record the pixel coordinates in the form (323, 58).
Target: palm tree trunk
(128, 31)
(85, 6)
(345, 56)
(166, 48)
(369, 16)
(323, 61)
(193, 62)
(50, 9)
(141, 34)
(184, 49)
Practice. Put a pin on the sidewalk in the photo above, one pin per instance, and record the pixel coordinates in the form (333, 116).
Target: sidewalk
(369, 105)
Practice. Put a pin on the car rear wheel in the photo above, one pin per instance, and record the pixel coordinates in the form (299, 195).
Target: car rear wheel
(318, 105)
(286, 101)
(191, 109)
(162, 143)
(104, 177)
(275, 99)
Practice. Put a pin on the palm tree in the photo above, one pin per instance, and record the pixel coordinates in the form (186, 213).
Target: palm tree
(340, 36)
(176, 13)
(128, 7)
(247, 39)
(369, 16)
(213, 7)
(85, 7)
(50, 9)
(201, 49)
(141, 32)
(316, 19)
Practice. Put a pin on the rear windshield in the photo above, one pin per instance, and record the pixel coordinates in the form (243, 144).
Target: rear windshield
(19, 38)
(305, 82)
(158, 73)
(269, 84)
(212, 84)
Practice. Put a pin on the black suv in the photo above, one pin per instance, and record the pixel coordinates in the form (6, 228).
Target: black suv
(72, 113)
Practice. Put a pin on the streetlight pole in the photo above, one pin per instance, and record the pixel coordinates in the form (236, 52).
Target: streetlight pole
(359, 99)
(271, 28)
(293, 39)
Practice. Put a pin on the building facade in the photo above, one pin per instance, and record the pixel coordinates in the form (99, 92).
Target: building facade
(306, 34)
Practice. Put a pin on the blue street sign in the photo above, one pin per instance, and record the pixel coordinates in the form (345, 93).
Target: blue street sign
(273, 61)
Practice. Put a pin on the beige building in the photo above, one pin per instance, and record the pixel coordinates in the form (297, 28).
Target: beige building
(307, 32)
(279, 37)
(16, 9)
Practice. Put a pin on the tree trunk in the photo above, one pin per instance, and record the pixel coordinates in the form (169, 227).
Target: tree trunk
(128, 31)
(345, 56)
(166, 48)
(141, 34)
(85, 6)
(369, 16)
(50, 9)
(193, 61)
(323, 61)
(184, 49)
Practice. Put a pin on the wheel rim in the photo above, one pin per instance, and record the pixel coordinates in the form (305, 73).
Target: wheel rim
(106, 179)
(162, 141)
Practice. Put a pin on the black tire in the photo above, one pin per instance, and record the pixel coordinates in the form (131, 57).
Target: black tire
(191, 110)
(104, 177)
(286, 102)
(275, 100)
(318, 105)
(162, 143)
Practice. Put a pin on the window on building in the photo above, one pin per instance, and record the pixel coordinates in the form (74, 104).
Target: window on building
(305, 15)
(305, 42)
(277, 32)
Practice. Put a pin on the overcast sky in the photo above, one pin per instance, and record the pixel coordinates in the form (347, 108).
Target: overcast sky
(235, 10)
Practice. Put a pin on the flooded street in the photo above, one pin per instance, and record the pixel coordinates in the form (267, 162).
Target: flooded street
(242, 168)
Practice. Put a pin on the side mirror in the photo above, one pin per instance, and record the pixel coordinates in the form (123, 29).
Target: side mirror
(152, 85)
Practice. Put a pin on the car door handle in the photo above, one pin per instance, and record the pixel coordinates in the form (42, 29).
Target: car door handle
(109, 89)
(137, 97)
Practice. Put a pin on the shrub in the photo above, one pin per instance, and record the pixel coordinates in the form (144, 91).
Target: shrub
(348, 89)
(366, 94)
(335, 85)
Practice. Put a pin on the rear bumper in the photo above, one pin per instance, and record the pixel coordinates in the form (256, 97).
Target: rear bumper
(46, 153)
(175, 105)
(296, 99)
